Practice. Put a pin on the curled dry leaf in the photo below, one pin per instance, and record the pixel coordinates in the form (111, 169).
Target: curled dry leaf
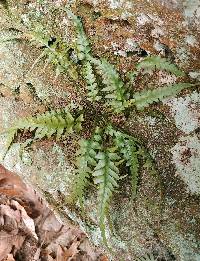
(32, 232)
(9, 258)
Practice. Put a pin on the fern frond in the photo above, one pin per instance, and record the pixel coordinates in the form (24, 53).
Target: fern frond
(147, 257)
(156, 62)
(144, 98)
(106, 175)
(128, 148)
(115, 90)
(86, 161)
(82, 42)
(92, 86)
(56, 53)
(60, 123)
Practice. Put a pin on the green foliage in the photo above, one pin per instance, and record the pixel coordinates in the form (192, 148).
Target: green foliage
(56, 53)
(101, 160)
(92, 87)
(60, 123)
(106, 175)
(86, 161)
(147, 257)
(115, 92)
(128, 147)
(156, 62)
(145, 98)
(99, 157)
(82, 42)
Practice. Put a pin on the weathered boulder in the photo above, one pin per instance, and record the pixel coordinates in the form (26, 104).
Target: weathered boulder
(164, 218)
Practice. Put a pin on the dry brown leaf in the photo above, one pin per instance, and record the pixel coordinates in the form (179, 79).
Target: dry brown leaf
(9, 258)
(72, 251)
(104, 258)
(28, 222)
(5, 247)
(12, 186)
(21, 211)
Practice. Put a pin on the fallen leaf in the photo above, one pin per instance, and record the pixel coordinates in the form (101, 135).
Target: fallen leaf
(10, 258)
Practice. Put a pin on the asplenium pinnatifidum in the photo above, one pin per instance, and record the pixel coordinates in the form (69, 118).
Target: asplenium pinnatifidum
(103, 157)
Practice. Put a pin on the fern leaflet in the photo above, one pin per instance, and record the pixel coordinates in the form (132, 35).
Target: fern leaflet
(147, 258)
(156, 62)
(144, 98)
(106, 175)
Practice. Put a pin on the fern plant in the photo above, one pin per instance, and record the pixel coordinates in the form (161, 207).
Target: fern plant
(156, 62)
(99, 158)
(60, 123)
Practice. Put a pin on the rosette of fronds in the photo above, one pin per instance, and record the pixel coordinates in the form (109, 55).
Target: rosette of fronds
(59, 123)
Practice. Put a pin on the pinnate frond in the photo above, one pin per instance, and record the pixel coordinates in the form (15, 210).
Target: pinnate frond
(129, 149)
(114, 89)
(106, 176)
(86, 161)
(145, 98)
(159, 63)
(60, 123)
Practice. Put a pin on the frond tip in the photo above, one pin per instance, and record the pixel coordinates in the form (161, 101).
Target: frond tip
(159, 63)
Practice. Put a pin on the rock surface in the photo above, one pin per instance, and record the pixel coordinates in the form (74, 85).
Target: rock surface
(164, 219)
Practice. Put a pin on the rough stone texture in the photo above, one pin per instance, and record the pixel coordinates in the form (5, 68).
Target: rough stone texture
(164, 219)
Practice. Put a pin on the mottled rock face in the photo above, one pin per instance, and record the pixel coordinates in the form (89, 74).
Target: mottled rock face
(164, 219)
